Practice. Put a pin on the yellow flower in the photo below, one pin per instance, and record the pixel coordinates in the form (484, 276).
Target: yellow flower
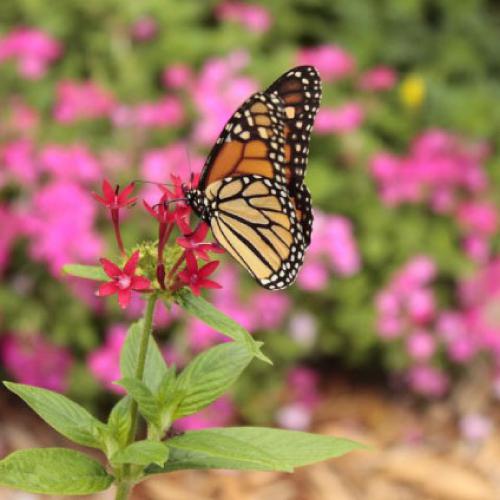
(412, 91)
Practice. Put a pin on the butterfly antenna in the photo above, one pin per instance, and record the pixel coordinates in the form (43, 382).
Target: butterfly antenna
(156, 183)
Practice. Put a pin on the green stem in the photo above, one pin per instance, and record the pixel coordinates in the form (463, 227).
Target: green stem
(122, 491)
(124, 485)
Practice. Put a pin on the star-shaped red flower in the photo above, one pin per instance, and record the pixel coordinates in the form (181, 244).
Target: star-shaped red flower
(124, 281)
(196, 278)
(194, 242)
(112, 198)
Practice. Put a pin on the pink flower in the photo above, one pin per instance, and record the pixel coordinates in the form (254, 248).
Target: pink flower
(144, 29)
(104, 362)
(421, 345)
(479, 217)
(217, 92)
(313, 276)
(295, 416)
(177, 76)
(302, 385)
(271, 308)
(82, 101)
(428, 381)
(380, 78)
(333, 241)
(19, 161)
(166, 112)
(33, 50)
(346, 118)
(477, 247)
(421, 306)
(480, 297)
(35, 361)
(476, 427)
(254, 17)
(23, 118)
(157, 165)
(303, 329)
(201, 336)
(439, 168)
(332, 62)
(389, 327)
(219, 414)
(57, 210)
(70, 162)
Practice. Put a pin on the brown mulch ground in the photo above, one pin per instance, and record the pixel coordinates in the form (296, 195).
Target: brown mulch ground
(417, 454)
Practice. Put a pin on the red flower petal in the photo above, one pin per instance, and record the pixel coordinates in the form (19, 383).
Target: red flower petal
(122, 197)
(110, 268)
(191, 263)
(184, 276)
(195, 289)
(108, 191)
(140, 283)
(208, 269)
(200, 233)
(131, 264)
(124, 297)
(209, 284)
(107, 289)
(100, 199)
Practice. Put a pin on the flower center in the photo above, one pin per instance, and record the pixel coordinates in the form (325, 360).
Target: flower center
(124, 281)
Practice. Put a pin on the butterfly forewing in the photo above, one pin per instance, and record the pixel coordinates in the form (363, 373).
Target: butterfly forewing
(252, 142)
(300, 91)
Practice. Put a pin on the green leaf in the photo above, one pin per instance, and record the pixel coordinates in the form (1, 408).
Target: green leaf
(139, 392)
(142, 453)
(65, 416)
(165, 393)
(209, 375)
(155, 367)
(88, 272)
(53, 471)
(206, 312)
(251, 448)
(119, 420)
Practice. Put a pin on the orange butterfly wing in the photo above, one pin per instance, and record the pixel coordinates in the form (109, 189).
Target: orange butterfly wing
(252, 143)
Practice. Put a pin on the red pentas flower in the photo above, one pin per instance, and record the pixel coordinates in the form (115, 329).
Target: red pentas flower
(113, 200)
(123, 281)
(194, 242)
(196, 278)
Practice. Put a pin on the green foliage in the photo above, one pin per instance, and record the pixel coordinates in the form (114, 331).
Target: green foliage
(161, 398)
(53, 471)
(142, 453)
(251, 448)
(210, 375)
(206, 312)
(155, 368)
(87, 272)
(65, 416)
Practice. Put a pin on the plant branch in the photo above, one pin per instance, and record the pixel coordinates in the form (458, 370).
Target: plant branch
(124, 485)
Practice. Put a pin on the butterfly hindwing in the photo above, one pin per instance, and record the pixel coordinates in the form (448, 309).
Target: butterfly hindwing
(255, 222)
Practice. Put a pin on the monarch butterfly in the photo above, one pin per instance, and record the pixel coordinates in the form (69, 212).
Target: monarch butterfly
(251, 190)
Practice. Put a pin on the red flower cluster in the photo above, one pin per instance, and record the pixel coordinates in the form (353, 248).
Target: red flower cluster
(171, 212)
